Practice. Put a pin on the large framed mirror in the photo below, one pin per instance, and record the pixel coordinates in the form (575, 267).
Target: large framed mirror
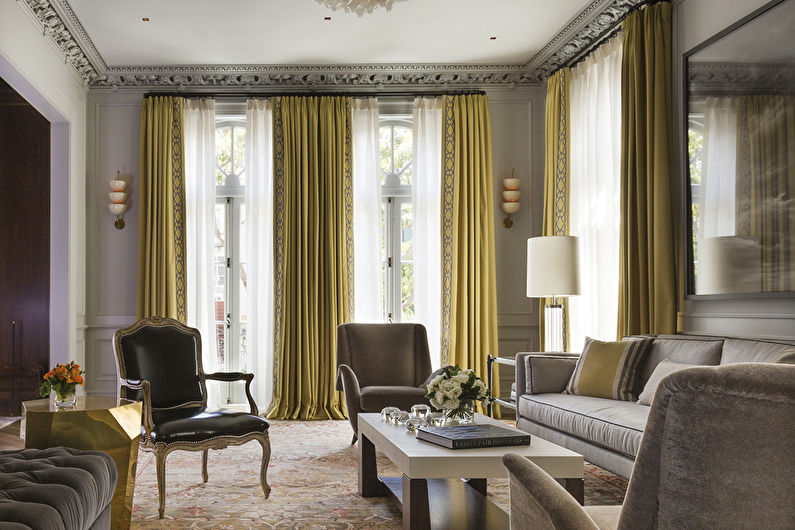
(741, 157)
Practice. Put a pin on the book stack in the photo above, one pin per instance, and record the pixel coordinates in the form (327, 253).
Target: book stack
(473, 436)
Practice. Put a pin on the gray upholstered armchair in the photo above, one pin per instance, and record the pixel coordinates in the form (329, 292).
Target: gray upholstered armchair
(381, 365)
(716, 453)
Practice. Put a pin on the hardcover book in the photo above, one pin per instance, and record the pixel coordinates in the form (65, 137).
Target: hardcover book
(472, 436)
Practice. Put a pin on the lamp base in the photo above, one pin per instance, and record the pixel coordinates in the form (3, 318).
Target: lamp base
(553, 328)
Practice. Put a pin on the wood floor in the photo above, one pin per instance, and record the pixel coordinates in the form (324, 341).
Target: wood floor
(9, 438)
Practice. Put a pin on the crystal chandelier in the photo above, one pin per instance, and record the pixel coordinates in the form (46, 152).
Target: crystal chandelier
(360, 7)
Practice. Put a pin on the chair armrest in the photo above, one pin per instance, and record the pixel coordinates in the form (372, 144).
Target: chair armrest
(350, 386)
(541, 373)
(537, 499)
(146, 416)
(230, 377)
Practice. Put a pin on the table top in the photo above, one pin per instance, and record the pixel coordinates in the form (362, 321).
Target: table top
(420, 459)
(87, 402)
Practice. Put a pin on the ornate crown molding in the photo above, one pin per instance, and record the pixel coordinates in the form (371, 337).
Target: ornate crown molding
(53, 26)
(59, 21)
(733, 78)
(587, 28)
(375, 76)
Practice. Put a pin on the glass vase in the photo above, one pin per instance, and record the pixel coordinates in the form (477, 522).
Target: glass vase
(65, 400)
(463, 415)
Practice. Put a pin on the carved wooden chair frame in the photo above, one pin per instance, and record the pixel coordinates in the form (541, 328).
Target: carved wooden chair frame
(161, 449)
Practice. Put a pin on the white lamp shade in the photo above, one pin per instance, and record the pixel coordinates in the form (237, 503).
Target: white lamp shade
(553, 266)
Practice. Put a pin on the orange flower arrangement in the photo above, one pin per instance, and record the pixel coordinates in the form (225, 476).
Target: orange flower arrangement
(62, 380)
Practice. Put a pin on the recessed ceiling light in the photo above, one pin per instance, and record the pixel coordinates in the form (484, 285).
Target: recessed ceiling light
(326, 18)
(492, 38)
(145, 19)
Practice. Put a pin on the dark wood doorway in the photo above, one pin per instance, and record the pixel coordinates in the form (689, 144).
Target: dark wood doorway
(24, 250)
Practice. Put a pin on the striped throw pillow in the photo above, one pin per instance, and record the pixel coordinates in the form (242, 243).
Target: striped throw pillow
(609, 369)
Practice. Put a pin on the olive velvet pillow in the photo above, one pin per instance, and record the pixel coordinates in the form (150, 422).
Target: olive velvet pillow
(609, 369)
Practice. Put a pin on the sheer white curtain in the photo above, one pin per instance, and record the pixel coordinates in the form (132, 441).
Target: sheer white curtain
(426, 196)
(368, 303)
(199, 124)
(594, 189)
(718, 170)
(259, 237)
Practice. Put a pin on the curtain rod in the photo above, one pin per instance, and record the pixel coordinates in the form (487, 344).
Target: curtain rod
(612, 31)
(189, 94)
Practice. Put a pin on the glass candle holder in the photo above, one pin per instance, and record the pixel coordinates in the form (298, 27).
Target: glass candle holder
(399, 417)
(414, 423)
(386, 411)
(420, 411)
(434, 419)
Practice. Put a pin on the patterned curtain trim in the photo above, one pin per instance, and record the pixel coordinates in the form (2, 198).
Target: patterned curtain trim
(177, 187)
(348, 186)
(561, 207)
(278, 241)
(448, 196)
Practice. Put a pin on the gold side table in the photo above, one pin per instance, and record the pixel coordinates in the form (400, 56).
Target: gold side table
(99, 423)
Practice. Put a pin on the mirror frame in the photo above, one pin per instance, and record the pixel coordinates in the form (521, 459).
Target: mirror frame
(690, 284)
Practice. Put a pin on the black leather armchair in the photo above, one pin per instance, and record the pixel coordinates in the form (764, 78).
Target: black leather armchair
(160, 363)
(380, 365)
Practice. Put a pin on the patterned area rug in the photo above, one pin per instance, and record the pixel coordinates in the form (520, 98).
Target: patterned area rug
(313, 475)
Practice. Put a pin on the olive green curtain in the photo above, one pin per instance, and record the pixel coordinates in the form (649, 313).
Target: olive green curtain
(647, 282)
(161, 210)
(766, 183)
(469, 299)
(556, 178)
(313, 252)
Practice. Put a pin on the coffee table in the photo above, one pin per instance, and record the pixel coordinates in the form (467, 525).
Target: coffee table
(430, 492)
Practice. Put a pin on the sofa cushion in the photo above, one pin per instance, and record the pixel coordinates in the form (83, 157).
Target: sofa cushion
(374, 398)
(58, 487)
(684, 349)
(609, 369)
(754, 351)
(663, 369)
(616, 425)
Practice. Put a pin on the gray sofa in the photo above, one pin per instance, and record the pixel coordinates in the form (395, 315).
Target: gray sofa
(608, 432)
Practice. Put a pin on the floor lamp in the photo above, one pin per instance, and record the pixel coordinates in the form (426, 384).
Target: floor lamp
(553, 271)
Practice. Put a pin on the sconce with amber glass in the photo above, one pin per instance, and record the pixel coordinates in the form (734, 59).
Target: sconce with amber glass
(510, 199)
(118, 196)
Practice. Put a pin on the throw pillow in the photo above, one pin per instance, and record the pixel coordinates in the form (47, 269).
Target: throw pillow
(664, 368)
(609, 369)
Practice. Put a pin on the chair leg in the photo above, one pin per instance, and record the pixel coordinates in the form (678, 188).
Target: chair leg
(160, 463)
(204, 465)
(266, 458)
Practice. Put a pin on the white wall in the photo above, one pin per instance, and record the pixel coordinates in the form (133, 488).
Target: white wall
(113, 138)
(694, 22)
(35, 68)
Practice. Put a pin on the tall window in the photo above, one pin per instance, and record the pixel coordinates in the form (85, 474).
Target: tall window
(397, 220)
(229, 256)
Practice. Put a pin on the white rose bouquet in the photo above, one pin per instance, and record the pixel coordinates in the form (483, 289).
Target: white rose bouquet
(455, 391)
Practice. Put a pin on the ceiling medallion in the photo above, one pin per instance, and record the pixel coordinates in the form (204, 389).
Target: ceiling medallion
(360, 7)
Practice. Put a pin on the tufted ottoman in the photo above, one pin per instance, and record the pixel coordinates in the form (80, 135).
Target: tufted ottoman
(56, 488)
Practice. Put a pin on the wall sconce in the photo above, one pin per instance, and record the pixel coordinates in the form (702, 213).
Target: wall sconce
(117, 196)
(510, 199)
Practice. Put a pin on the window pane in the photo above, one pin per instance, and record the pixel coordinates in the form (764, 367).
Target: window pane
(243, 302)
(407, 294)
(240, 154)
(402, 148)
(223, 154)
(219, 284)
(385, 144)
(407, 261)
